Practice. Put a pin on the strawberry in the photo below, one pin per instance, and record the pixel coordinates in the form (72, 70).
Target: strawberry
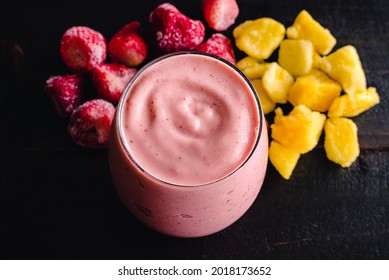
(174, 31)
(65, 92)
(220, 14)
(127, 46)
(110, 79)
(82, 48)
(218, 45)
(90, 123)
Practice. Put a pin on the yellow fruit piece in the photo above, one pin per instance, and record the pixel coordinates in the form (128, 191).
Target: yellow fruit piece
(259, 38)
(316, 58)
(315, 90)
(277, 81)
(344, 66)
(296, 56)
(283, 159)
(300, 130)
(353, 105)
(305, 27)
(251, 67)
(267, 104)
(341, 141)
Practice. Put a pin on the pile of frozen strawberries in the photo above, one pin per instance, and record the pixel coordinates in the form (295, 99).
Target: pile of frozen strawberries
(110, 64)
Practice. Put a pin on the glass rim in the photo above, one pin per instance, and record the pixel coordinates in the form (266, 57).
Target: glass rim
(119, 112)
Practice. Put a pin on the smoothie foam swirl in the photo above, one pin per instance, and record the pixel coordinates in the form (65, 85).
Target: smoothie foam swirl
(180, 127)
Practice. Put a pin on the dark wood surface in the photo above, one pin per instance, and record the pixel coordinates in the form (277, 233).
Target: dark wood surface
(57, 200)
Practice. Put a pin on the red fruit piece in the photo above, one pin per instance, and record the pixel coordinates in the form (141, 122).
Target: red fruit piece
(219, 45)
(90, 123)
(110, 79)
(127, 46)
(65, 92)
(174, 31)
(82, 48)
(220, 14)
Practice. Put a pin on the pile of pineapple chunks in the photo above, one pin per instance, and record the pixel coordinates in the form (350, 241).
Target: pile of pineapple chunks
(326, 89)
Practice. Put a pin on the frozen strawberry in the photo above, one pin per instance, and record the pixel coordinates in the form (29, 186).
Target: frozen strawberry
(127, 46)
(82, 48)
(174, 31)
(220, 14)
(219, 45)
(65, 92)
(90, 123)
(110, 79)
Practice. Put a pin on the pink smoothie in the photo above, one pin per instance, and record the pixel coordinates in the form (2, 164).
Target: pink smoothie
(188, 151)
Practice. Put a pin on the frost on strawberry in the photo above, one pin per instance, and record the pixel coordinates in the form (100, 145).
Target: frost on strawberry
(220, 14)
(90, 123)
(82, 48)
(65, 92)
(173, 31)
(218, 45)
(110, 79)
(128, 46)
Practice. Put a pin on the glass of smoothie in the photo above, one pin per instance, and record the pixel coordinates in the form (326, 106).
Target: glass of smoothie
(189, 144)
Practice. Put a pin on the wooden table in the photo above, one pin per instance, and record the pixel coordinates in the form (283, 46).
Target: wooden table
(57, 200)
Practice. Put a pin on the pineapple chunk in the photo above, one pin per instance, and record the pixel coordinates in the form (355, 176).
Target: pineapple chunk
(316, 58)
(259, 38)
(251, 67)
(277, 81)
(305, 27)
(296, 56)
(353, 105)
(267, 104)
(341, 141)
(344, 66)
(300, 130)
(315, 90)
(283, 159)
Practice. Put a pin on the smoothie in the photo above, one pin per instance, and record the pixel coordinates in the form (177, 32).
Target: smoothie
(188, 151)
